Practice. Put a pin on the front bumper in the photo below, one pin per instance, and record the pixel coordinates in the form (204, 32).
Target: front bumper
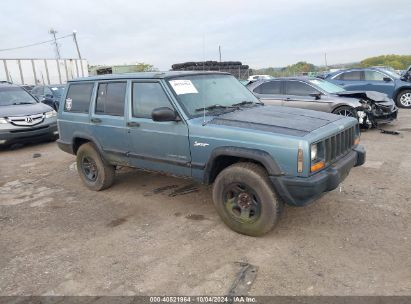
(300, 191)
(31, 134)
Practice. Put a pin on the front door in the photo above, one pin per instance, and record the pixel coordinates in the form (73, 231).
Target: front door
(298, 96)
(159, 146)
(377, 81)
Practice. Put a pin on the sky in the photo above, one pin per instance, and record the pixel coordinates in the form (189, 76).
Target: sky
(259, 33)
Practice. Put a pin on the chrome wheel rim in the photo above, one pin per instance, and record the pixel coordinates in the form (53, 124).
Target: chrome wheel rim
(405, 99)
(345, 112)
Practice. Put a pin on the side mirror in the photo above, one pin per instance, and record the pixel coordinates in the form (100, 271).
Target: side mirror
(164, 114)
(387, 79)
(48, 96)
(317, 96)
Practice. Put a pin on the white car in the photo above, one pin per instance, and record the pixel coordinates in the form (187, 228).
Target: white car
(259, 77)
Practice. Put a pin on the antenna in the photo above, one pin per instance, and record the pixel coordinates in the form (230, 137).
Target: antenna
(204, 111)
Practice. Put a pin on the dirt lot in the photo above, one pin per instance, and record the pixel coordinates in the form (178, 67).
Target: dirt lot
(57, 237)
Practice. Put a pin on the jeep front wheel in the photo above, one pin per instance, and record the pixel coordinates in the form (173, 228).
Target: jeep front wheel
(94, 173)
(245, 199)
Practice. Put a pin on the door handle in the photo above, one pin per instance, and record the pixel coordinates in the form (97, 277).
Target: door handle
(133, 124)
(96, 120)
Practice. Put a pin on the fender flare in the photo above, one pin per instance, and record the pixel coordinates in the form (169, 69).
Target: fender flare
(398, 90)
(260, 156)
(90, 138)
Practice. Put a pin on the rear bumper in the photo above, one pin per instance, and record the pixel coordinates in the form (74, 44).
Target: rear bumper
(300, 191)
(34, 134)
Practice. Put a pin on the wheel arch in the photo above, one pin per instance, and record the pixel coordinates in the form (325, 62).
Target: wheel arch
(81, 138)
(223, 157)
(399, 90)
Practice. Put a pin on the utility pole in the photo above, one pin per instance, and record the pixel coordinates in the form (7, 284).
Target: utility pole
(219, 51)
(325, 58)
(75, 41)
(53, 32)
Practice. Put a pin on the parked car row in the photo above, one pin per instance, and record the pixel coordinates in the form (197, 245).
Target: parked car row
(381, 80)
(370, 108)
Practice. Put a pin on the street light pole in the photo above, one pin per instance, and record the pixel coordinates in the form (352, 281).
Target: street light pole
(75, 41)
(54, 32)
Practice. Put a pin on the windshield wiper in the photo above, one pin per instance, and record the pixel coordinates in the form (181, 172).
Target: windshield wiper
(215, 107)
(245, 103)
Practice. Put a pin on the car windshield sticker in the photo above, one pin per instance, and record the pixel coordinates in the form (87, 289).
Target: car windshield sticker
(69, 103)
(54, 89)
(181, 87)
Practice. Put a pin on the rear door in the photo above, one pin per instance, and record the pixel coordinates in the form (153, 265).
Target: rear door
(374, 81)
(270, 92)
(107, 120)
(298, 96)
(159, 146)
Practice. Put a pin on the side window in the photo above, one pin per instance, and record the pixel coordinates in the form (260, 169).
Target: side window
(110, 98)
(37, 91)
(373, 75)
(47, 91)
(78, 97)
(271, 87)
(146, 97)
(299, 88)
(353, 75)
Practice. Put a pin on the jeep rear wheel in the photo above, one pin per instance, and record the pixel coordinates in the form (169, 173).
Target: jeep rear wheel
(404, 99)
(245, 199)
(94, 173)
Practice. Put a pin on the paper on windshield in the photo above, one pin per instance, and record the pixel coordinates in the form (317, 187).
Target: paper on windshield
(181, 86)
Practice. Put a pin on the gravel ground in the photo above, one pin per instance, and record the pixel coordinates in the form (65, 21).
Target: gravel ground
(58, 238)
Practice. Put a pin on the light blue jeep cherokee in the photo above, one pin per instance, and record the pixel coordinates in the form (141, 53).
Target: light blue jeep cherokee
(208, 126)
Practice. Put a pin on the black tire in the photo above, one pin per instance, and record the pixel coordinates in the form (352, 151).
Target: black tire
(265, 209)
(349, 111)
(403, 99)
(89, 161)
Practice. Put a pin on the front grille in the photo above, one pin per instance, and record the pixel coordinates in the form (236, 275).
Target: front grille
(26, 121)
(339, 144)
(28, 129)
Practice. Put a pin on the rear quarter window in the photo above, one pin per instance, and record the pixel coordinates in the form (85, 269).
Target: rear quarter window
(78, 97)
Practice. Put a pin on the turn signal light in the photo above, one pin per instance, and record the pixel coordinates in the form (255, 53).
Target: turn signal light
(300, 160)
(317, 166)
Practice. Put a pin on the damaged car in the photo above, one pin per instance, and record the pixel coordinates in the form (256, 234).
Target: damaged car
(369, 107)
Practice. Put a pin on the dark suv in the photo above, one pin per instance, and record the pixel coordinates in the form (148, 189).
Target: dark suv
(381, 80)
(49, 94)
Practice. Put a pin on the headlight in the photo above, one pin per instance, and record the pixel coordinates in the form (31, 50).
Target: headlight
(314, 152)
(3, 121)
(51, 114)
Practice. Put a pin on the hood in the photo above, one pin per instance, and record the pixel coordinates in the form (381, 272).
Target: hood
(277, 119)
(366, 95)
(24, 109)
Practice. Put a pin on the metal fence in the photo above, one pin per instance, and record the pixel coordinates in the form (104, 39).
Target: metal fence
(42, 71)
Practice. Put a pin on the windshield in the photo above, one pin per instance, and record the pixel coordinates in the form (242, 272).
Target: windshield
(211, 92)
(57, 91)
(327, 86)
(393, 74)
(14, 96)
